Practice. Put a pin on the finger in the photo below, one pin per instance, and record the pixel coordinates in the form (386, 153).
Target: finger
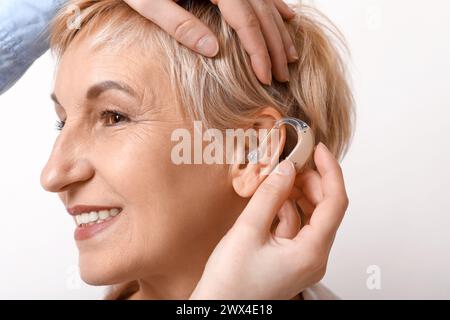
(329, 213)
(268, 199)
(331, 173)
(307, 207)
(290, 222)
(180, 24)
(299, 197)
(284, 9)
(242, 18)
(289, 48)
(310, 184)
(273, 39)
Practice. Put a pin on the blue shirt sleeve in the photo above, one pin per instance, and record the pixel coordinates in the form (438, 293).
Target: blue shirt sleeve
(24, 31)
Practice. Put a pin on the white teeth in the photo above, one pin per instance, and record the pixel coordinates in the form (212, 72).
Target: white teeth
(85, 218)
(94, 216)
(103, 214)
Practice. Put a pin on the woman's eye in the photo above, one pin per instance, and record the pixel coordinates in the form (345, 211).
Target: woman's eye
(60, 124)
(112, 118)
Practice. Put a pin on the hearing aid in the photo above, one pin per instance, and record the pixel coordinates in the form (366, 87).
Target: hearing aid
(302, 151)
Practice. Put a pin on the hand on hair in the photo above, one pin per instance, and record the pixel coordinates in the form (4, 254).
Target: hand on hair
(258, 23)
(252, 262)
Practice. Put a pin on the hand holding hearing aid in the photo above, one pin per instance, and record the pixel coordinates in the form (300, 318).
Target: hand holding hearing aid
(252, 262)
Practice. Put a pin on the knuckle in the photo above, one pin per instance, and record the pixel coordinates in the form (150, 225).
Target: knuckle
(264, 8)
(252, 22)
(319, 266)
(341, 175)
(338, 170)
(343, 203)
(316, 262)
(320, 274)
(346, 202)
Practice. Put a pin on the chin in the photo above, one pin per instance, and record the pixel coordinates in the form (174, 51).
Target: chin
(101, 271)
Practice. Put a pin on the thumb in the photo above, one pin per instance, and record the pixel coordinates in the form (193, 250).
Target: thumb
(179, 23)
(290, 221)
(268, 198)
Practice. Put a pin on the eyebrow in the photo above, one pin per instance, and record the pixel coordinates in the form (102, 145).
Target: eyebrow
(96, 90)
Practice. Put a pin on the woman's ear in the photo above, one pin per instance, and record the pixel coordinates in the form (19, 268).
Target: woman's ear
(248, 175)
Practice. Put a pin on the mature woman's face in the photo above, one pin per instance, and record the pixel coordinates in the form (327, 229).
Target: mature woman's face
(114, 153)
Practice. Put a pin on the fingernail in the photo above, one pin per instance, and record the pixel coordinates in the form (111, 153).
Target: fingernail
(286, 75)
(317, 145)
(286, 168)
(293, 53)
(269, 77)
(208, 46)
(323, 146)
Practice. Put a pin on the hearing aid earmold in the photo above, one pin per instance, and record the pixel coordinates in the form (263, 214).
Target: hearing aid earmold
(302, 151)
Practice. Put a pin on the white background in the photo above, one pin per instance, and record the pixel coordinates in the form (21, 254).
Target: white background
(397, 170)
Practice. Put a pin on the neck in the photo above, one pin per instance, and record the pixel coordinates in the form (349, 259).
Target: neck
(165, 289)
(179, 280)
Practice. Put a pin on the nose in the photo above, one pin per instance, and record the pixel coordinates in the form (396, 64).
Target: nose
(68, 164)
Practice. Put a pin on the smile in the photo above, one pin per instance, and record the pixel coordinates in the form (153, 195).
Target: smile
(90, 220)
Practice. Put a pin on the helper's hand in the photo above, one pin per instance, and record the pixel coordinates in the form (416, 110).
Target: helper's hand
(252, 262)
(258, 23)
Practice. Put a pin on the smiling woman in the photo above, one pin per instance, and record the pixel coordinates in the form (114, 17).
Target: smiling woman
(122, 87)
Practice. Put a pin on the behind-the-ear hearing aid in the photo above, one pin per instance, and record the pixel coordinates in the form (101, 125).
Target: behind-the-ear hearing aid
(302, 151)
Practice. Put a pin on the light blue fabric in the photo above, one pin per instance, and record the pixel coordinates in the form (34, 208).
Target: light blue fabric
(24, 27)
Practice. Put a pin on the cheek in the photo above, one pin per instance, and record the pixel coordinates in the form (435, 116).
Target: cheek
(139, 169)
(134, 162)
(170, 207)
(139, 172)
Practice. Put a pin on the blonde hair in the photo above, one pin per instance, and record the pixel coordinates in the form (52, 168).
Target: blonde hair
(223, 92)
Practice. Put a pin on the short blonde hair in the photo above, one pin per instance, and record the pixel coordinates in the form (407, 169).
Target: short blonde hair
(224, 92)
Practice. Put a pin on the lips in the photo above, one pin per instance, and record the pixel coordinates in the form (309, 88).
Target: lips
(91, 220)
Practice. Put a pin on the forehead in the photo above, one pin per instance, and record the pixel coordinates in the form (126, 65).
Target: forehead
(84, 64)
